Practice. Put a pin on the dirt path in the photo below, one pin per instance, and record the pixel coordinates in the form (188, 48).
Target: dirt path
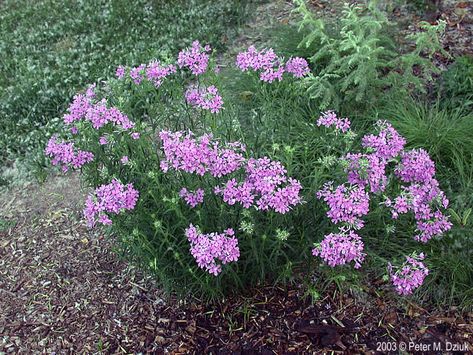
(62, 289)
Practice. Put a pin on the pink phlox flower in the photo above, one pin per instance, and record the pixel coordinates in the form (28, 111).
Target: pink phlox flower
(347, 203)
(424, 200)
(214, 249)
(120, 72)
(415, 166)
(341, 248)
(206, 99)
(436, 226)
(265, 174)
(183, 152)
(233, 192)
(137, 74)
(192, 198)
(367, 169)
(112, 198)
(410, 275)
(99, 115)
(66, 155)
(387, 144)
(78, 108)
(156, 72)
(264, 61)
(263, 187)
(271, 74)
(195, 58)
(329, 119)
(298, 67)
(90, 92)
(83, 107)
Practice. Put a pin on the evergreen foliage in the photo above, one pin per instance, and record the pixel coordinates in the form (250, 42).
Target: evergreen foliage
(359, 62)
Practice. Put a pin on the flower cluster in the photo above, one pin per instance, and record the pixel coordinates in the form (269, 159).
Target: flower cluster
(207, 99)
(120, 72)
(83, 107)
(78, 109)
(422, 199)
(137, 73)
(435, 226)
(330, 119)
(183, 152)
(262, 187)
(409, 275)
(111, 198)
(209, 249)
(266, 177)
(155, 72)
(368, 172)
(415, 166)
(65, 154)
(421, 196)
(387, 144)
(346, 203)
(367, 169)
(192, 198)
(256, 60)
(297, 67)
(269, 65)
(341, 248)
(195, 58)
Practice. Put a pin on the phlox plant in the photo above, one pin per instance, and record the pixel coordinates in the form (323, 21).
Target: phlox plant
(212, 200)
(384, 181)
(174, 175)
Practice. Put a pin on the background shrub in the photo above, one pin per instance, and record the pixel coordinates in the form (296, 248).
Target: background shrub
(356, 61)
(456, 83)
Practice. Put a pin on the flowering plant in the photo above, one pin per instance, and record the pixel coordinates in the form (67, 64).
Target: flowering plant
(209, 199)
(164, 153)
(384, 168)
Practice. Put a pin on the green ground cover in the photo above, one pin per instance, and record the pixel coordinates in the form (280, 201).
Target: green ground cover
(51, 49)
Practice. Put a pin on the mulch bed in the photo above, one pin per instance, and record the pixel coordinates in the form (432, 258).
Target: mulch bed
(63, 290)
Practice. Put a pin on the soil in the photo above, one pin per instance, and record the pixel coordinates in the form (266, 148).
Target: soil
(64, 290)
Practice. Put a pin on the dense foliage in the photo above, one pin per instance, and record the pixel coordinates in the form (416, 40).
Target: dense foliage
(356, 61)
(456, 85)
